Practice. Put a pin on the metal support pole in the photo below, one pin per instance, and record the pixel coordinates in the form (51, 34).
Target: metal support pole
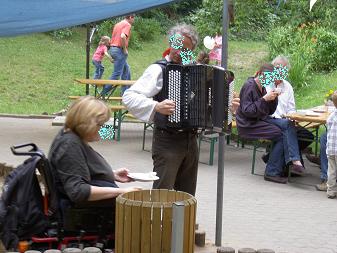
(87, 58)
(177, 242)
(221, 162)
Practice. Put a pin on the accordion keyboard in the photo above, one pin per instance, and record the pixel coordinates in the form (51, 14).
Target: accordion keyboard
(174, 89)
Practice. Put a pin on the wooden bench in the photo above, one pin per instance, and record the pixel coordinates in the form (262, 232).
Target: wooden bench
(109, 98)
(260, 142)
(212, 139)
(121, 114)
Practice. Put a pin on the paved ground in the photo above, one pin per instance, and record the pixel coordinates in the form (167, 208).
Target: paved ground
(292, 218)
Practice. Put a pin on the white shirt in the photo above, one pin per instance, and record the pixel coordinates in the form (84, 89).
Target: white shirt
(138, 98)
(331, 145)
(286, 100)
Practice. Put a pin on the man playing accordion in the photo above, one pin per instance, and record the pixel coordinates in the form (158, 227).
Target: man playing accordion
(174, 151)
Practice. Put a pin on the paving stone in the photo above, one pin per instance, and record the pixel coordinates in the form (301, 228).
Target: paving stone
(286, 218)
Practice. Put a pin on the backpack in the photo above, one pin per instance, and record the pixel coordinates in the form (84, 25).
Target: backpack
(21, 205)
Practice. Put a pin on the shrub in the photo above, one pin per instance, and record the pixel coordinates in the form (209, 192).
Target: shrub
(324, 53)
(280, 40)
(252, 19)
(316, 45)
(60, 34)
(147, 28)
(299, 74)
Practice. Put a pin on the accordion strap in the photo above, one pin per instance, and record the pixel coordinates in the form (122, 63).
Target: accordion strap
(162, 63)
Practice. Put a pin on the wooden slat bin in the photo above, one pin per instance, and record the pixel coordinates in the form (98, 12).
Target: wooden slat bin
(144, 221)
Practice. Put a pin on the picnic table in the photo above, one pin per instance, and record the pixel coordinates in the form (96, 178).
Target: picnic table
(312, 115)
(101, 82)
(120, 112)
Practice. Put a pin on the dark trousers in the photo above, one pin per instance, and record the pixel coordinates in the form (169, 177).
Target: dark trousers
(91, 216)
(175, 159)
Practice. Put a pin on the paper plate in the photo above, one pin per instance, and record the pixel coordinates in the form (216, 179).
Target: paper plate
(319, 110)
(143, 177)
(312, 114)
(209, 42)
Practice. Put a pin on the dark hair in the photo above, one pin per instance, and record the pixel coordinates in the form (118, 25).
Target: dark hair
(130, 16)
(267, 67)
(203, 58)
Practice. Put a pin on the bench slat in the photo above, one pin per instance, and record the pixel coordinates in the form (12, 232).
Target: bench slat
(117, 107)
(101, 82)
(110, 98)
(310, 124)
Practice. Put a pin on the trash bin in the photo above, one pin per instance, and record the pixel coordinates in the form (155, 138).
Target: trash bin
(144, 221)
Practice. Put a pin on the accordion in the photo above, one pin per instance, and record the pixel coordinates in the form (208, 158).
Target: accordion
(202, 95)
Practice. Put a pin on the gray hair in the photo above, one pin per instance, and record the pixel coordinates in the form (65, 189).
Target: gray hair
(186, 30)
(281, 58)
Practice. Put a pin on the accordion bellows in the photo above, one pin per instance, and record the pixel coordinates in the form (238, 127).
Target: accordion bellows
(201, 94)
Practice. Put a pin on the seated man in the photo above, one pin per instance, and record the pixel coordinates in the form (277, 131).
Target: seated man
(255, 106)
(286, 105)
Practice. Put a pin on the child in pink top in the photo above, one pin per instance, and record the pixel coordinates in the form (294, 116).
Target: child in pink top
(98, 56)
(215, 53)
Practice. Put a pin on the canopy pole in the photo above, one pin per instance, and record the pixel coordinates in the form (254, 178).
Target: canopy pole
(87, 69)
(221, 162)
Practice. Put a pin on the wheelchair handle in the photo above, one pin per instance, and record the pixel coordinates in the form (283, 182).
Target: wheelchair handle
(34, 151)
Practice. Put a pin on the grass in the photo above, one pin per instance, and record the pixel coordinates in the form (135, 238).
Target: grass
(37, 72)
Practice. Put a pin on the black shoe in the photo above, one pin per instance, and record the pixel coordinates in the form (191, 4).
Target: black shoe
(276, 179)
(265, 157)
(313, 159)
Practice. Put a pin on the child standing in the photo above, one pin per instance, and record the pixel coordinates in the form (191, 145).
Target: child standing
(331, 150)
(98, 56)
(215, 53)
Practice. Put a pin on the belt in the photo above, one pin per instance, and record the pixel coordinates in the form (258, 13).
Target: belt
(116, 46)
(178, 131)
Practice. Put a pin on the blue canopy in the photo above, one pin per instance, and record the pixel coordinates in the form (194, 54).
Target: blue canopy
(29, 16)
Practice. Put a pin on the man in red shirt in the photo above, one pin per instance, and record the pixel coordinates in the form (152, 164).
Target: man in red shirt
(119, 52)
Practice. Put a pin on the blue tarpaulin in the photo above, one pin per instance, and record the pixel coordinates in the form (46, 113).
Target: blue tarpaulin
(29, 16)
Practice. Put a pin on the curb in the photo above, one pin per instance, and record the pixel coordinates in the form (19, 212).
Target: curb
(26, 116)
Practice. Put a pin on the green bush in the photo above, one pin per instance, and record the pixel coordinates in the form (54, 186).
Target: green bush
(324, 53)
(146, 28)
(61, 34)
(299, 74)
(162, 18)
(252, 19)
(316, 45)
(279, 40)
(297, 12)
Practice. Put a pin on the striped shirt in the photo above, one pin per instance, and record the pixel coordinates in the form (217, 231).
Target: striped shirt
(331, 147)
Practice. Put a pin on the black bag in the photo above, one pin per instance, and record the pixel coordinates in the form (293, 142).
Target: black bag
(21, 205)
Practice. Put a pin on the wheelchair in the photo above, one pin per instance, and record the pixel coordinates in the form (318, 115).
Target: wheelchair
(69, 225)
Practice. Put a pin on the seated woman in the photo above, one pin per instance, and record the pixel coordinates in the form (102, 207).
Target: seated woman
(253, 122)
(81, 174)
